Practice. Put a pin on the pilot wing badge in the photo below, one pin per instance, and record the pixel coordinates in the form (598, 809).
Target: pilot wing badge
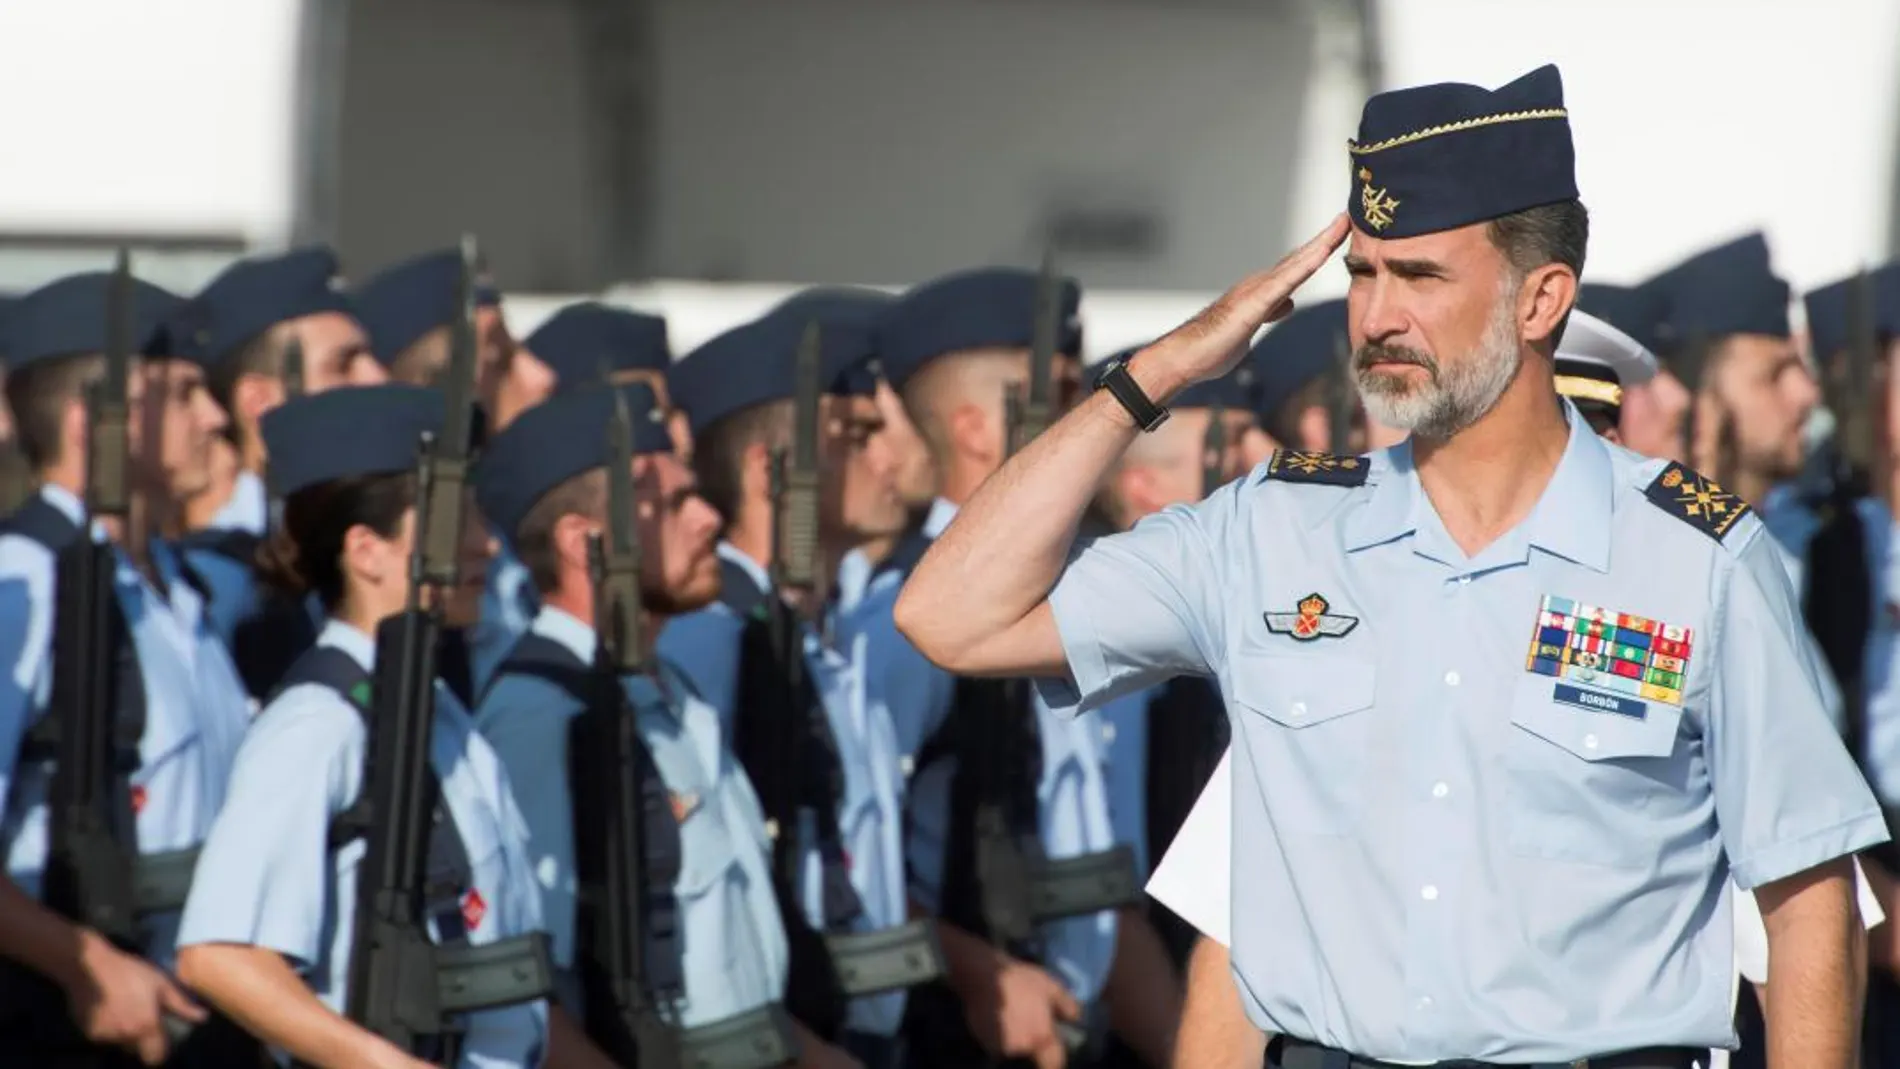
(1311, 621)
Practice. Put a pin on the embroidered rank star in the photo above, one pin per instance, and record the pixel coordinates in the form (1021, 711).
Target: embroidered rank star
(1610, 651)
(1310, 621)
(1699, 502)
(1375, 204)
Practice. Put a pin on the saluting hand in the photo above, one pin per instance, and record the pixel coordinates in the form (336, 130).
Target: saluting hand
(1213, 342)
(121, 1000)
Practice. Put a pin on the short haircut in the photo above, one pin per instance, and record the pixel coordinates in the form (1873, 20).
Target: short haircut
(38, 395)
(719, 452)
(1547, 234)
(938, 380)
(263, 354)
(422, 361)
(584, 495)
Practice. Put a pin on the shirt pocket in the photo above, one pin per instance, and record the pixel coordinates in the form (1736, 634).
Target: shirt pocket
(1304, 720)
(706, 891)
(1582, 767)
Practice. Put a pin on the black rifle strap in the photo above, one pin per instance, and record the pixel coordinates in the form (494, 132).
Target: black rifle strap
(450, 873)
(535, 656)
(1187, 733)
(1837, 606)
(40, 521)
(783, 738)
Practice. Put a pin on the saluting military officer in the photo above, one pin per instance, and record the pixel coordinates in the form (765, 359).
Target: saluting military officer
(177, 693)
(269, 931)
(1511, 704)
(543, 481)
(248, 317)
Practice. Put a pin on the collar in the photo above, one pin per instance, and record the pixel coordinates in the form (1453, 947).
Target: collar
(1570, 518)
(753, 570)
(567, 629)
(359, 645)
(939, 517)
(65, 501)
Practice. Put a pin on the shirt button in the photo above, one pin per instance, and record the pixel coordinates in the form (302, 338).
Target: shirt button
(1589, 742)
(1296, 709)
(1451, 678)
(1428, 892)
(1439, 790)
(1463, 580)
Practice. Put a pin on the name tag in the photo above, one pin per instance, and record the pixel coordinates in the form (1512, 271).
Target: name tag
(1598, 702)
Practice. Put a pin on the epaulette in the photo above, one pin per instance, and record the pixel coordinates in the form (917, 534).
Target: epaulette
(1296, 466)
(1695, 500)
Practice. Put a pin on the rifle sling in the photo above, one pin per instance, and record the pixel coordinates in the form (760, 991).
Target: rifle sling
(760, 1038)
(886, 959)
(471, 977)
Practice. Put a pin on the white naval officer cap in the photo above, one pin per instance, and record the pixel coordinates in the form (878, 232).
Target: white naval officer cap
(1595, 361)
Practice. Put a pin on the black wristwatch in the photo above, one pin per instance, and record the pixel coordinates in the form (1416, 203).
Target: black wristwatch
(1116, 380)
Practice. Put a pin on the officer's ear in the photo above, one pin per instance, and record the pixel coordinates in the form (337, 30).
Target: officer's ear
(1544, 301)
(974, 434)
(252, 396)
(570, 541)
(755, 472)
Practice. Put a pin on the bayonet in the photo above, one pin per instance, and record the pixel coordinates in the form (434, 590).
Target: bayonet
(795, 557)
(1027, 412)
(107, 420)
(1214, 451)
(1852, 396)
(617, 609)
(293, 368)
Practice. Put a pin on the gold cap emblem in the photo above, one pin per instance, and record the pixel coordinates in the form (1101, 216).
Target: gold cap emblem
(1375, 204)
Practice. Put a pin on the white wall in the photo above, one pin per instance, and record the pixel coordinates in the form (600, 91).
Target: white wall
(1696, 120)
(870, 140)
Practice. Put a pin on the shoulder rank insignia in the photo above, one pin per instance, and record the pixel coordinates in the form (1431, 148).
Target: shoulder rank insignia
(1295, 466)
(1311, 621)
(1699, 502)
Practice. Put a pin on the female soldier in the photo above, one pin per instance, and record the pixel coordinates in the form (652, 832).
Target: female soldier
(267, 931)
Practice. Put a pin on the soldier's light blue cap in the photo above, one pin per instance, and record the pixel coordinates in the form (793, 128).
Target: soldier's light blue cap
(1438, 157)
(1295, 351)
(67, 317)
(251, 296)
(355, 430)
(1829, 331)
(1729, 289)
(556, 440)
(402, 303)
(578, 341)
(988, 308)
(753, 364)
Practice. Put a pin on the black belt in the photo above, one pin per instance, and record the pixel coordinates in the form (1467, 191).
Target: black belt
(1286, 1052)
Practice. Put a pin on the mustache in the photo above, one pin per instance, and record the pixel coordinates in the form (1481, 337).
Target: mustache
(1373, 353)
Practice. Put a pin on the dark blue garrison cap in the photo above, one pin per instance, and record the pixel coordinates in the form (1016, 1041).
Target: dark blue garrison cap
(577, 341)
(1828, 329)
(411, 299)
(992, 307)
(357, 430)
(1730, 289)
(556, 440)
(1295, 351)
(1438, 157)
(1637, 311)
(68, 316)
(251, 296)
(753, 364)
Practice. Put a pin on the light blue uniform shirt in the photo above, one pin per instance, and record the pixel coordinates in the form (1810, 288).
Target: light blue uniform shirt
(734, 939)
(1072, 794)
(705, 645)
(234, 593)
(268, 877)
(1794, 525)
(508, 606)
(195, 707)
(1438, 856)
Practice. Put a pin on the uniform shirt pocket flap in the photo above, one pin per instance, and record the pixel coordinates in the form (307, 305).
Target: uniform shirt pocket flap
(1595, 725)
(1298, 692)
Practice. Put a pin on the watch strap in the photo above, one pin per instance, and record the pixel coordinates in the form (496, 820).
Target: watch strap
(1117, 380)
